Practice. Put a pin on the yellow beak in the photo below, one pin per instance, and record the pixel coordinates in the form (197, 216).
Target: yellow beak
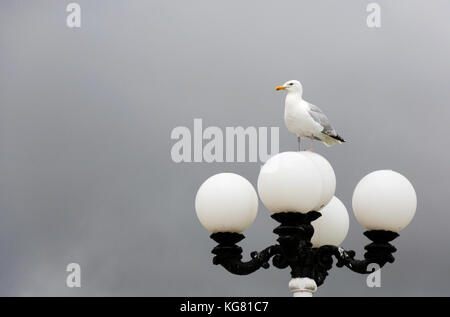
(280, 88)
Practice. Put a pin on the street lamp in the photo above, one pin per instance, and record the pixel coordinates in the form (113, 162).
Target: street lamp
(384, 200)
(226, 202)
(298, 188)
(332, 227)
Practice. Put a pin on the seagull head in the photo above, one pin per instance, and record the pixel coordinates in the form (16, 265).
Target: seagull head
(291, 86)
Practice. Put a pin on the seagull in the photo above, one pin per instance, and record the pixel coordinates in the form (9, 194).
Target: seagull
(305, 119)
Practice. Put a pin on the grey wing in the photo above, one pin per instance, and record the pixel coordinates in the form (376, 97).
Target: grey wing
(317, 114)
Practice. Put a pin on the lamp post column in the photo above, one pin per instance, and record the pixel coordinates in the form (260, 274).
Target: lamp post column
(302, 287)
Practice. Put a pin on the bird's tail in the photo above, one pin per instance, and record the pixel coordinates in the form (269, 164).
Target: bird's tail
(329, 140)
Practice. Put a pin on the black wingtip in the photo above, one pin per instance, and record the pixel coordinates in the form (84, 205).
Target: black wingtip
(339, 138)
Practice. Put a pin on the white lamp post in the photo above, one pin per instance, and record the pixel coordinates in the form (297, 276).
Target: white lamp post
(298, 188)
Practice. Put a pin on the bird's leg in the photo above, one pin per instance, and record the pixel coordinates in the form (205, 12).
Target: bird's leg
(298, 142)
(311, 149)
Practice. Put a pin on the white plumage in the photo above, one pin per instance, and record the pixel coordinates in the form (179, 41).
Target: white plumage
(305, 119)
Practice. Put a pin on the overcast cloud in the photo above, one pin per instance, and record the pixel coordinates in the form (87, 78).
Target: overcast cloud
(86, 114)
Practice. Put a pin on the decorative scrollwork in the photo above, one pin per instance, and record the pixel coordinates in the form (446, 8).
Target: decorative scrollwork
(229, 255)
(294, 250)
(379, 252)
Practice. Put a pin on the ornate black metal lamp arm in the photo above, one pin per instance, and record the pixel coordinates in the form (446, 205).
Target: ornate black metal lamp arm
(379, 252)
(294, 250)
(229, 255)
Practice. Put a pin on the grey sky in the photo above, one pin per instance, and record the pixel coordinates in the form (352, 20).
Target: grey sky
(86, 115)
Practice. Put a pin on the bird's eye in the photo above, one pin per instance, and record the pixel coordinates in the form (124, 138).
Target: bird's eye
(291, 84)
